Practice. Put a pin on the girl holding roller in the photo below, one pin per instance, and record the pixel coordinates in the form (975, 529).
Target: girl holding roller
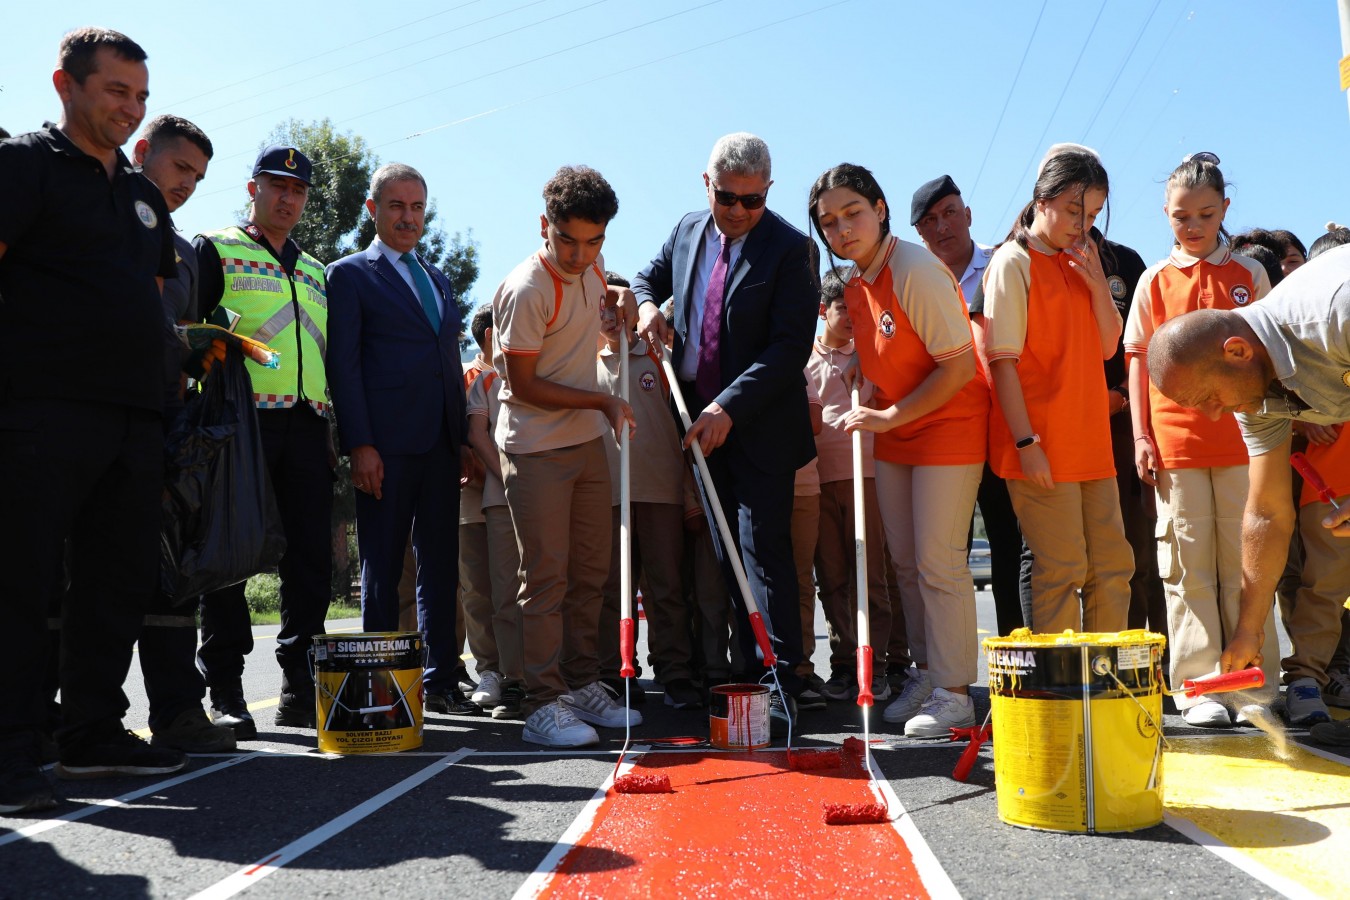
(1198, 466)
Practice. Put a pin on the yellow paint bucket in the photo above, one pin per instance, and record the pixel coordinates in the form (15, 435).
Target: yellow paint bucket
(1077, 729)
(368, 689)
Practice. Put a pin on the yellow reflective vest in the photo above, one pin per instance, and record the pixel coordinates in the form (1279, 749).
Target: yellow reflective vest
(286, 311)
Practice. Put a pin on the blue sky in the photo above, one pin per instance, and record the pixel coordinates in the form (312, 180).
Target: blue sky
(502, 92)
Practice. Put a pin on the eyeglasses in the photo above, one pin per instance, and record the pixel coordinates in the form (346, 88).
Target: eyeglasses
(748, 201)
(1203, 156)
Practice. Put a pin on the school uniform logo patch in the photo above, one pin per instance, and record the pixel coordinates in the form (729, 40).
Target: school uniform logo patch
(1240, 294)
(647, 381)
(1117, 286)
(886, 325)
(146, 214)
(1345, 379)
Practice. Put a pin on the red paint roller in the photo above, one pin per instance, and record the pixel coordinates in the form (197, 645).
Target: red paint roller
(629, 783)
(861, 813)
(976, 738)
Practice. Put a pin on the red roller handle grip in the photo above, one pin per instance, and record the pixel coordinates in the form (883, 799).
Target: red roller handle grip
(967, 760)
(865, 675)
(762, 638)
(1312, 476)
(627, 642)
(1233, 681)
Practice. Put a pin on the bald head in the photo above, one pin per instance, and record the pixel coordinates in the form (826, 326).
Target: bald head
(1210, 360)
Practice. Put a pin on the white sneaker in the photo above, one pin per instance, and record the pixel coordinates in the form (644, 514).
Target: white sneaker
(596, 705)
(1337, 690)
(555, 725)
(942, 712)
(913, 695)
(1207, 714)
(489, 692)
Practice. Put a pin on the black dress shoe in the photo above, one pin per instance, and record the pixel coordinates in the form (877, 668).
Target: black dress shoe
(297, 713)
(229, 709)
(450, 702)
(778, 713)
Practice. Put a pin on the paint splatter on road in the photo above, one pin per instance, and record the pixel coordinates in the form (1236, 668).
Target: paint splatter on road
(740, 824)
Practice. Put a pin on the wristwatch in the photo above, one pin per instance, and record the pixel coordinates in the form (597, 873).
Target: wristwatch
(1026, 442)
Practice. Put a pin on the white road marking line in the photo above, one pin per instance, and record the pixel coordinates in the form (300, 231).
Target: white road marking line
(250, 875)
(1238, 859)
(120, 801)
(543, 874)
(935, 878)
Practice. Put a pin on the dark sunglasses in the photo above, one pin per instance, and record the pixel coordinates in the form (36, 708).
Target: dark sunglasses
(1203, 156)
(748, 201)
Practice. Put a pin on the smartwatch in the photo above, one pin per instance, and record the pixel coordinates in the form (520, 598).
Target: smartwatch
(1027, 441)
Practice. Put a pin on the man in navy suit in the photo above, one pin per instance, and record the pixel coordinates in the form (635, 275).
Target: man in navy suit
(746, 295)
(393, 368)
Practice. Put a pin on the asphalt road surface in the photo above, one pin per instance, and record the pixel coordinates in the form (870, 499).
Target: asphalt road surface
(441, 822)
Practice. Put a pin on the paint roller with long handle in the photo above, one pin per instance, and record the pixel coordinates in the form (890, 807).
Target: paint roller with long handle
(1217, 684)
(737, 567)
(629, 783)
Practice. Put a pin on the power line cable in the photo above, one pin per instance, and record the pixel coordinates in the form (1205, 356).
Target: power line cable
(1037, 148)
(290, 85)
(1143, 78)
(518, 65)
(1006, 100)
(328, 52)
(579, 84)
(1115, 76)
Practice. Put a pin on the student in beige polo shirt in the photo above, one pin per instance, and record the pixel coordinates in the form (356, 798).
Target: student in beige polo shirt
(552, 429)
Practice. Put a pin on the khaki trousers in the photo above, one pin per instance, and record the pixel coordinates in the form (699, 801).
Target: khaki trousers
(1313, 619)
(926, 512)
(559, 502)
(837, 571)
(504, 575)
(1078, 539)
(475, 595)
(1199, 535)
(805, 531)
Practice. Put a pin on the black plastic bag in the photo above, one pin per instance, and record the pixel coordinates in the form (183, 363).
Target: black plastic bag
(221, 524)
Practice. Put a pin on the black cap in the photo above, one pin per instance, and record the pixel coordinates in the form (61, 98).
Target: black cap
(285, 161)
(930, 193)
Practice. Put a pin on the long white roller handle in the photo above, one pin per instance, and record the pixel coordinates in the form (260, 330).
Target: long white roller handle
(860, 565)
(756, 619)
(627, 627)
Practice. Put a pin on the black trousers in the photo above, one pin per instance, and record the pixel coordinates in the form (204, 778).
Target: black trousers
(295, 442)
(758, 510)
(90, 476)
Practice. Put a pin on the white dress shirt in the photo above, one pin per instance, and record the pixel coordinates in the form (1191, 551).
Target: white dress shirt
(712, 247)
(395, 259)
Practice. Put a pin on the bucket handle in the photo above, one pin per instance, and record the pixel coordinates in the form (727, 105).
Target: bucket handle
(370, 709)
(1162, 740)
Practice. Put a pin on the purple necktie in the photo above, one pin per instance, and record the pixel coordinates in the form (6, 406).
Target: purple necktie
(709, 377)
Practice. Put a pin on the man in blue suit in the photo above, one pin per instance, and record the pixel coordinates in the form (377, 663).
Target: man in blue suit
(746, 296)
(393, 368)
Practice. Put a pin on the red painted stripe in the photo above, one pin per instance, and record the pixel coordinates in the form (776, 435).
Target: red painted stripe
(269, 859)
(737, 825)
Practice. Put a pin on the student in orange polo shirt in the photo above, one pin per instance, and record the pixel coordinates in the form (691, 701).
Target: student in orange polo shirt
(1049, 324)
(1198, 466)
(913, 341)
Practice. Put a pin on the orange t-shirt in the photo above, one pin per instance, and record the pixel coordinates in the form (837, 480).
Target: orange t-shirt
(1059, 358)
(907, 319)
(1186, 438)
(1333, 464)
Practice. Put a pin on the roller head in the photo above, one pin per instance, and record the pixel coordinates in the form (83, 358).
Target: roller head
(855, 814)
(643, 784)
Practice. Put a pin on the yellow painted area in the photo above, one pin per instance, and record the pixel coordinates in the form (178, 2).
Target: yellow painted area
(252, 707)
(1290, 817)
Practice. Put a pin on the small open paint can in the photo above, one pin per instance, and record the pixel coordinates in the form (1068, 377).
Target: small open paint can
(738, 716)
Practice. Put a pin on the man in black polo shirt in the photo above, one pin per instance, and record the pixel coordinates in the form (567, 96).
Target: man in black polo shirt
(84, 247)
